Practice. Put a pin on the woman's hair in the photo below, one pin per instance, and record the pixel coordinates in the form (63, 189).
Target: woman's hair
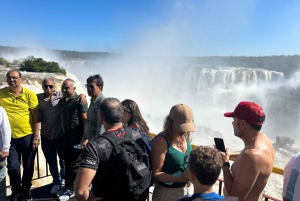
(136, 117)
(168, 131)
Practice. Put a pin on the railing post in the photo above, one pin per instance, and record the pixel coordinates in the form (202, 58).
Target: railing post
(38, 162)
(220, 186)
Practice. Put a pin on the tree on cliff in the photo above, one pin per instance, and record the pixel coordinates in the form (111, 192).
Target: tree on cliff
(31, 64)
(4, 62)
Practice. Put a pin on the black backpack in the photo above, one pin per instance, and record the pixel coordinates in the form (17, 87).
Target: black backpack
(130, 173)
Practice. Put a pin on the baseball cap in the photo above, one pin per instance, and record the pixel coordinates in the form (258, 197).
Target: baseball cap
(248, 111)
(182, 117)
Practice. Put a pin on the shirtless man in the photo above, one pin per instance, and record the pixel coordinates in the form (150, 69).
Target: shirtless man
(253, 165)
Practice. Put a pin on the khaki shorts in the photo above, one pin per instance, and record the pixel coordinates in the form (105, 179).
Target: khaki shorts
(162, 193)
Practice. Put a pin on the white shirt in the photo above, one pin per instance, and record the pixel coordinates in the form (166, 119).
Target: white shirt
(291, 179)
(5, 131)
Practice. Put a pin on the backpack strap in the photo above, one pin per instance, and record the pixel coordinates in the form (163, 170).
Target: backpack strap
(111, 138)
(114, 140)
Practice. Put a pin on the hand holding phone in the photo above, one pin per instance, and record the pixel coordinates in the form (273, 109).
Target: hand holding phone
(220, 144)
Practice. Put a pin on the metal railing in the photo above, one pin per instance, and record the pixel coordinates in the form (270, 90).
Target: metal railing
(38, 167)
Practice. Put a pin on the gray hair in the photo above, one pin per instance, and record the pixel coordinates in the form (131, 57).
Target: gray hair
(48, 78)
(73, 82)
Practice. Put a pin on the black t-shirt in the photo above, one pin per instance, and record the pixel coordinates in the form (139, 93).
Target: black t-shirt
(97, 156)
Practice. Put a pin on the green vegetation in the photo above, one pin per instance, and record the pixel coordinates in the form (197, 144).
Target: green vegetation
(31, 64)
(4, 62)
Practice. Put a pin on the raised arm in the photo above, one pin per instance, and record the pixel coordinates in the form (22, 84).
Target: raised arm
(82, 99)
(158, 155)
(248, 169)
(233, 155)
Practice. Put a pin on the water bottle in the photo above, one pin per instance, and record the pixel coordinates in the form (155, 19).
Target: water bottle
(77, 146)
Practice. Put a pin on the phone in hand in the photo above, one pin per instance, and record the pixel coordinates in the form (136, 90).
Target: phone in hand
(220, 144)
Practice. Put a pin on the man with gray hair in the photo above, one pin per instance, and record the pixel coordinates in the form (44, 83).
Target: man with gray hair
(52, 135)
(74, 116)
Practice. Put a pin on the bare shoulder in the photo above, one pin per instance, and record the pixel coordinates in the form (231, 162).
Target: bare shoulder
(159, 143)
(250, 155)
(264, 146)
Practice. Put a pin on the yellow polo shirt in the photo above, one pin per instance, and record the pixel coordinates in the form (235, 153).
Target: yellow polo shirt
(18, 110)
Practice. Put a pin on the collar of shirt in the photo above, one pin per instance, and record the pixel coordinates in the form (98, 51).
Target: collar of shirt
(74, 96)
(100, 96)
(54, 94)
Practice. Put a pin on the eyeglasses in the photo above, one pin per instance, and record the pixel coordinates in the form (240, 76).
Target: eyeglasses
(46, 86)
(14, 78)
(89, 86)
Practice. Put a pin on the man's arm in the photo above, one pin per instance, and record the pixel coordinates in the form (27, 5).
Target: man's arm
(84, 141)
(36, 128)
(5, 131)
(82, 99)
(248, 169)
(234, 155)
(83, 180)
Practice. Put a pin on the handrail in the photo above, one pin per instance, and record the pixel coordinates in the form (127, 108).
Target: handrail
(276, 170)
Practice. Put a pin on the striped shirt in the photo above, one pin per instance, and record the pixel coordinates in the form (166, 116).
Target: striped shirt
(291, 179)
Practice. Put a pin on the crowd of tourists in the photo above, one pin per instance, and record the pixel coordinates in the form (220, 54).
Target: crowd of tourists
(104, 151)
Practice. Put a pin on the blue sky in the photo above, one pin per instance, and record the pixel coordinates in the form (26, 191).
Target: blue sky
(187, 28)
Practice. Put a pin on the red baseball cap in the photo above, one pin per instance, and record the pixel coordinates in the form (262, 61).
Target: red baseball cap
(249, 111)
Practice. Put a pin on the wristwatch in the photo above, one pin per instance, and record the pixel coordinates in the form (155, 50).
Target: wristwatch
(37, 138)
(226, 164)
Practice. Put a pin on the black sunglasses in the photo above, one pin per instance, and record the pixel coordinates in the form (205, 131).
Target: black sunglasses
(50, 86)
(90, 86)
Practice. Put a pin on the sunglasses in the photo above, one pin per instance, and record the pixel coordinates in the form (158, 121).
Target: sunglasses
(46, 86)
(89, 86)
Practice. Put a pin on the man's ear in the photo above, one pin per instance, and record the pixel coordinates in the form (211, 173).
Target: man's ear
(243, 123)
(101, 118)
(74, 88)
(191, 175)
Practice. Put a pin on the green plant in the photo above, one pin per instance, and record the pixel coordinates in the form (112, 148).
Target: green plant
(32, 64)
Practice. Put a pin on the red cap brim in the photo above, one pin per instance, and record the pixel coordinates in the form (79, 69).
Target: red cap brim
(229, 114)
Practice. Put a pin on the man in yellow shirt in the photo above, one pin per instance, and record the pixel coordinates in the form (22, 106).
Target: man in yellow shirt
(20, 104)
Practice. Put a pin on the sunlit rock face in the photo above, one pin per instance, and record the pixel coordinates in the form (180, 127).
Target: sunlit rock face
(33, 81)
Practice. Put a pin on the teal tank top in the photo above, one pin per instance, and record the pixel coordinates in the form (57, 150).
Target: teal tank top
(175, 163)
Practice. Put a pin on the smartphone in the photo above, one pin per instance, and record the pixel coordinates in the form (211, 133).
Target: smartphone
(220, 144)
